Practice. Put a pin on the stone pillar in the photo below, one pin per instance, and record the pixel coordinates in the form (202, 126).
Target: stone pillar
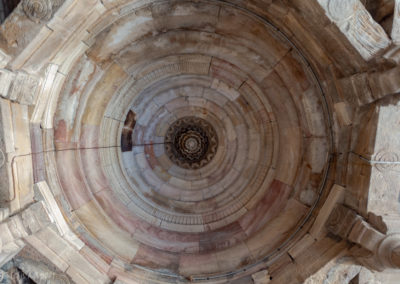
(376, 249)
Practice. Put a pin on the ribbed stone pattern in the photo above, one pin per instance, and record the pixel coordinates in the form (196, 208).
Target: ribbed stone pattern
(228, 137)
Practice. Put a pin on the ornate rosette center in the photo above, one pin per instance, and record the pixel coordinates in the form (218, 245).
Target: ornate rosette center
(191, 142)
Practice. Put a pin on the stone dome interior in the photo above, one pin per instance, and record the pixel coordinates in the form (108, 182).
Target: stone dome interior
(201, 141)
(244, 86)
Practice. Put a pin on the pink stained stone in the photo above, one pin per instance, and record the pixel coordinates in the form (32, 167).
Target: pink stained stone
(267, 208)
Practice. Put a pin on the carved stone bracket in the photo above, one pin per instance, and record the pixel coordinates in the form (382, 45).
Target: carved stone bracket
(40, 10)
(18, 86)
(377, 250)
(355, 22)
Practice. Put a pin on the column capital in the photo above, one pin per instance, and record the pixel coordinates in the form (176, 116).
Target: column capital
(384, 249)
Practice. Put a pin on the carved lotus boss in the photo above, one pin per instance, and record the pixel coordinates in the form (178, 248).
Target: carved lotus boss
(191, 142)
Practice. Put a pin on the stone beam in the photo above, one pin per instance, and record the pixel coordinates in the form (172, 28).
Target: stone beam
(367, 87)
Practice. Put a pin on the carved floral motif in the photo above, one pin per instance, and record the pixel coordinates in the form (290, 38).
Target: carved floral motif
(38, 10)
(192, 142)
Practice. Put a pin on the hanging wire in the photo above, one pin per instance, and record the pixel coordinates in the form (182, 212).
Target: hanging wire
(65, 150)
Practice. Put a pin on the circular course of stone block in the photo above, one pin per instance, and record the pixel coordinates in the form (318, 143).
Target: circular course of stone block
(230, 132)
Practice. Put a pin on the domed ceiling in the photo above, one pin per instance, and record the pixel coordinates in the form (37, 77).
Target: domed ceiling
(196, 139)
(224, 134)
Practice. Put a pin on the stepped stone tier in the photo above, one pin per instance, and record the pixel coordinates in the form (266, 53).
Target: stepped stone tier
(200, 141)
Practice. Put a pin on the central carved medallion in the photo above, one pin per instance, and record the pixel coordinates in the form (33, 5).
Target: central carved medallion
(191, 142)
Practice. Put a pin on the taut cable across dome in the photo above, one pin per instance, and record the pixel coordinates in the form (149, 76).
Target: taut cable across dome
(198, 141)
(235, 133)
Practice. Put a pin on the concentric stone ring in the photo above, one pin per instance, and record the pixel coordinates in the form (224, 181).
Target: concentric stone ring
(229, 140)
(191, 142)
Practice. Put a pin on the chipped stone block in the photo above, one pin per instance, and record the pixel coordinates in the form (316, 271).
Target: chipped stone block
(261, 277)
